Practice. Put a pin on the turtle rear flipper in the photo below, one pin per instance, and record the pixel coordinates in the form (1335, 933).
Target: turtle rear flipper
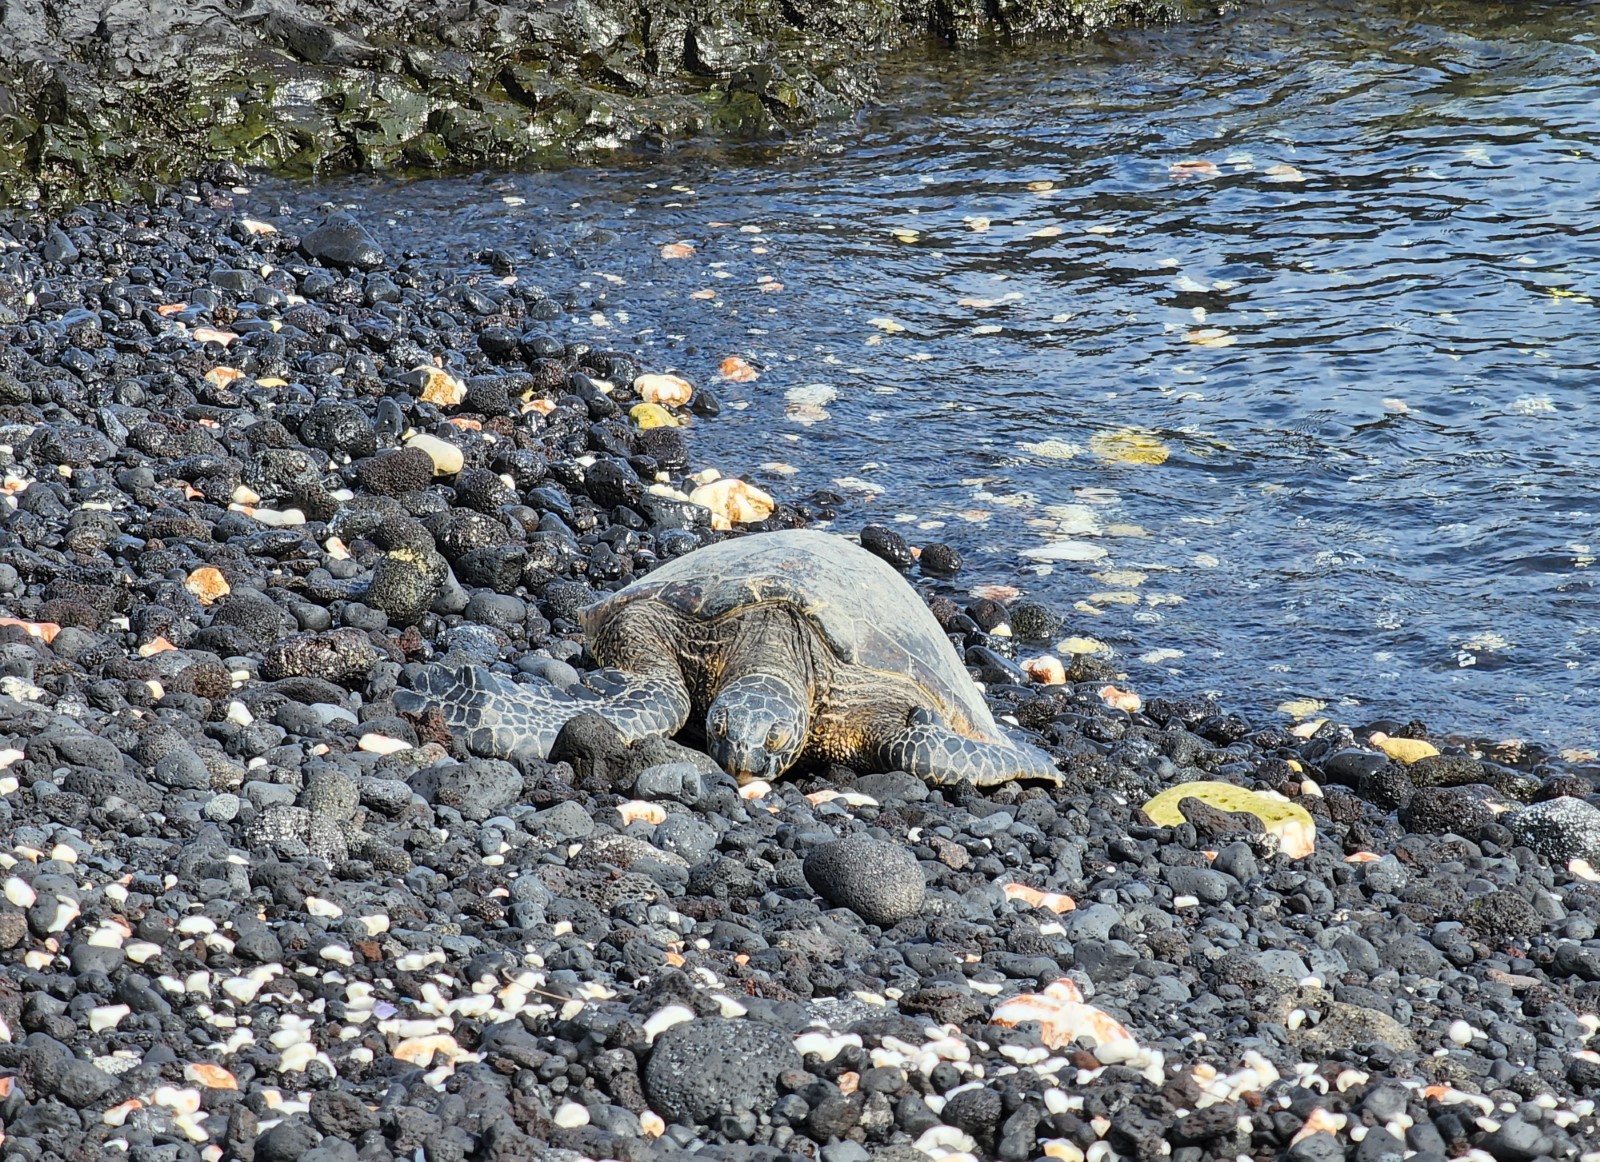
(934, 752)
(498, 718)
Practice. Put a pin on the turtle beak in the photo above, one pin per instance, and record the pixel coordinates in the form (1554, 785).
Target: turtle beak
(744, 762)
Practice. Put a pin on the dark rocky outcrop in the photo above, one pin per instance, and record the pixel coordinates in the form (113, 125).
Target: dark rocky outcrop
(106, 96)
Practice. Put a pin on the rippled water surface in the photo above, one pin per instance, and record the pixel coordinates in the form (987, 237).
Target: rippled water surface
(1341, 263)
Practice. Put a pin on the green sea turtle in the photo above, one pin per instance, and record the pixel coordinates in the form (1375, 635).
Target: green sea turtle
(795, 645)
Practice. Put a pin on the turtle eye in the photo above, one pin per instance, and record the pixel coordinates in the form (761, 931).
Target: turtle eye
(720, 728)
(777, 738)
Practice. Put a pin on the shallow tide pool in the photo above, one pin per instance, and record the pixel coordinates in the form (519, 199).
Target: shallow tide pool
(1264, 348)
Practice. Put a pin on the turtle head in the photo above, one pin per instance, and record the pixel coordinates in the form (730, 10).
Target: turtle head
(757, 726)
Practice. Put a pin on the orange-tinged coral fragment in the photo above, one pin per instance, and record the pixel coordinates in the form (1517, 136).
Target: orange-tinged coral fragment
(44, 630)
(209, 1075)
(1054, 901)
(737, 369)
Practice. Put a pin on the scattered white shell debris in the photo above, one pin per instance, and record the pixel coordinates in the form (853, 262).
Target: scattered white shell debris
(942, 1141)
(848, 798)
(105, 1017)
(732, 501)
(271, 517)
(1054, 901)
(374, 743)
(570, 1115)
(1046, 669)
(244, 988)
(421, 1051)
(1257, 1073)
(447, 458)
(417, 961)
(117, 1115)
(825, 1045)
(295, 1058)
(183, 1100)
(636, 810)
(1065, 1018)
(663, 1019)
(66, 912)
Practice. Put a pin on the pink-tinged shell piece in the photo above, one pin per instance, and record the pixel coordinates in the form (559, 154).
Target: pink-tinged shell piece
(995, 592)
(1046, 670)
(1065, 1019)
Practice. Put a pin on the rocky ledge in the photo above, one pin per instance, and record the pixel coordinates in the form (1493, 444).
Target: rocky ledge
(106, 97)
(255, 471)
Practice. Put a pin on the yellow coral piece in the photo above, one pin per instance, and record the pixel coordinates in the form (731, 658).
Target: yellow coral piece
(1405, 750)
(1301, 707)
(442, 388)
(651, 415)
(1129, 446)
(1291, 823)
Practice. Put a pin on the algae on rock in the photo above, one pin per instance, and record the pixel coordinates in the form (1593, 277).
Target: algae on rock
(96, 100)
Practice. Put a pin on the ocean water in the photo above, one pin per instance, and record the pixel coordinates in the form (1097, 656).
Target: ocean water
(1266, 349)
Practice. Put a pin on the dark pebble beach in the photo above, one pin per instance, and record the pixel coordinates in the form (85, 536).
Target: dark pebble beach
(255, 477)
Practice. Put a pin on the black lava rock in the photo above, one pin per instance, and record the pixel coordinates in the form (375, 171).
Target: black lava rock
(343, 241)
(397, 473)
(406, 583)
(596, 750)
(339, 427)
(1442, 810)
(1559, 829)
(888, 544)
(939, 560)
(881, 882)
(1504, 917)
(1032, 622)
(712, 1066)
(340, 655)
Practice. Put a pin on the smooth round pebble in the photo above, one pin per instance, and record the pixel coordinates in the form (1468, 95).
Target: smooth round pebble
(880, 882)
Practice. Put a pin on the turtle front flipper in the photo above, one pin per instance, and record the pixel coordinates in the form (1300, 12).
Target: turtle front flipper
(497, 718)
(932, 751)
